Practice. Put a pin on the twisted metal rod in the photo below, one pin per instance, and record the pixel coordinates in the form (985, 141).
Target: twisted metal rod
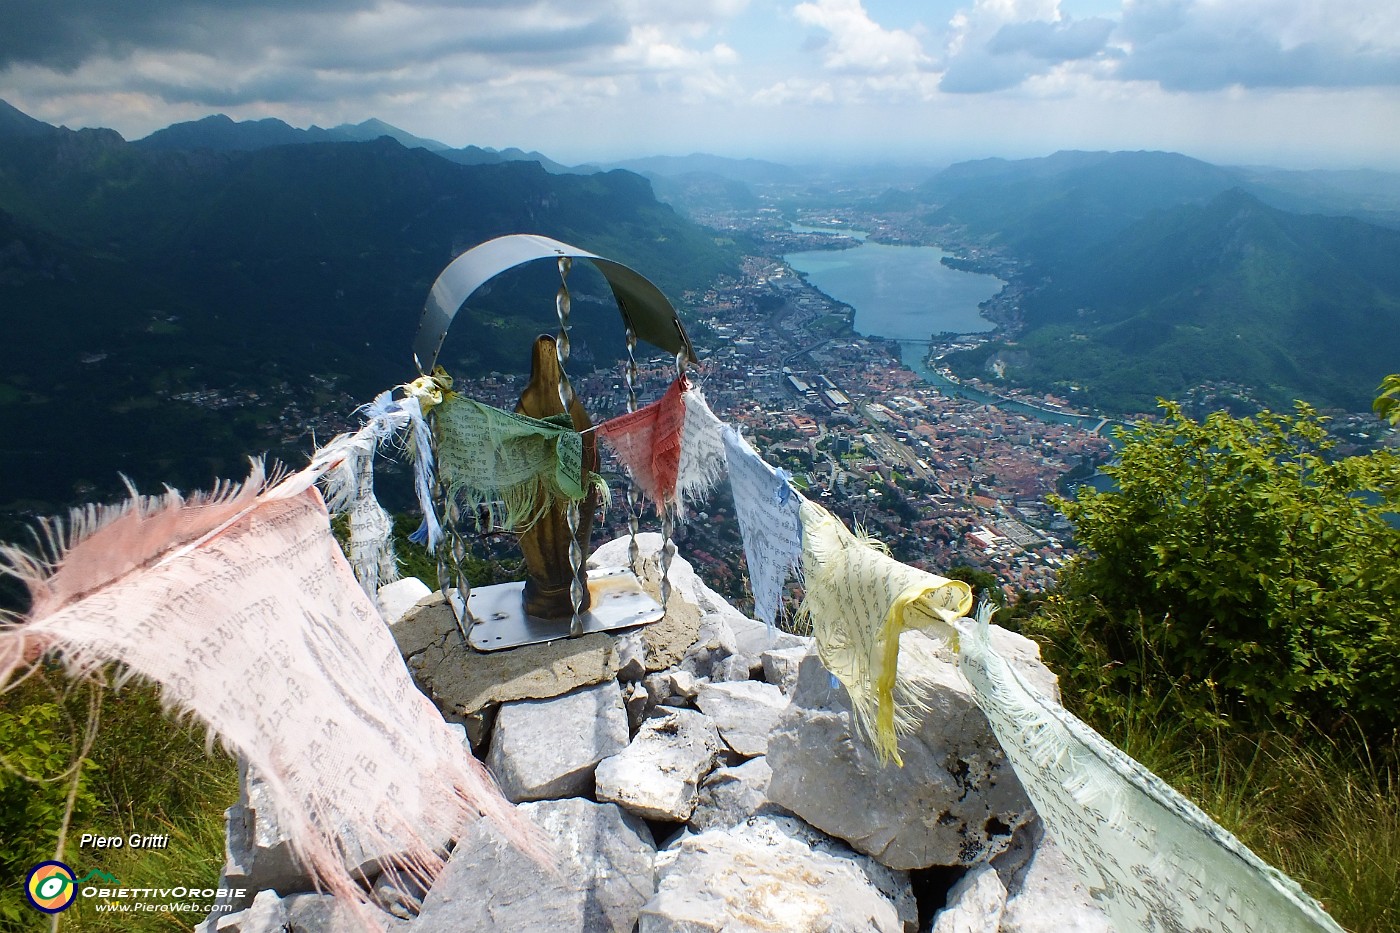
(563, 304)
(633, 508)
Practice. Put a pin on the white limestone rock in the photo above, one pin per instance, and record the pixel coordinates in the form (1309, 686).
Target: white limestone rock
(780, 666)
(729, 796)
(631, 655)
(265, 914)
(603, 875)
(638, 703)
(956, 800)
(399, 893)
(745, 712)
(775, 873)
(1047, 896)
(735, 668)
(543, 749)
(258, 854)
(395, 599)
(684, 684)
(322, 913)
(753, 637)
(302, 913)
(713, 645)
(658, 775)
(1023, 654)
(975, 904)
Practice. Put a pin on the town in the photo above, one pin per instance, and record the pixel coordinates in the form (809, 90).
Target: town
(942, 480)
(951, 476)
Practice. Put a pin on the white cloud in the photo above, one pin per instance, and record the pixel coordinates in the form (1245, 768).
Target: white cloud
(856, 44)
(1204, 45)
(586, 76)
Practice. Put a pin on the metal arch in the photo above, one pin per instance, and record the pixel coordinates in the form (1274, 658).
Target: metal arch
(642, 305)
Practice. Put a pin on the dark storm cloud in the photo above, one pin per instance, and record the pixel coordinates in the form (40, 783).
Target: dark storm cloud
(1208, 63)
(228, 53)
(556, 43)
(277, 86)
(979, 72)
(62, 34)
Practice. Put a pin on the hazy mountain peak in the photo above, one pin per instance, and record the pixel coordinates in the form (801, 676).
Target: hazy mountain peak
(15, 123)
(222, 132)
(373, 128)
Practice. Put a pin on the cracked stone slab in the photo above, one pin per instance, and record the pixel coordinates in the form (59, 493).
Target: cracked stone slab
(775, 873)
(601, 877)
(729, 796)
(658, 775)
(975, 904)
(955, 802)
(744, 711)
(394, 600)
(1047, 895)
(462, 681)
(780, 666)
(543, 749)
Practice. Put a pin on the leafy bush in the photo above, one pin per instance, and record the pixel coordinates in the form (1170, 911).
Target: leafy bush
(39, 740)
(1240, 571)
(144, 773)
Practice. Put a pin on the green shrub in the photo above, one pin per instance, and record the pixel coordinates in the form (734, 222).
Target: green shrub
(40, 738)
(145, 773)
(1240, 572)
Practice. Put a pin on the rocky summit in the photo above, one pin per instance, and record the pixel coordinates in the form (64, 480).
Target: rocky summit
(699, 774)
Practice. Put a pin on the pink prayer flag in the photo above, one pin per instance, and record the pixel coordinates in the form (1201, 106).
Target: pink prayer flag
(648, 442)
(242, 607)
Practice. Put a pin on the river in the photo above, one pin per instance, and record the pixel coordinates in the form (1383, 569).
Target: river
(906, 294)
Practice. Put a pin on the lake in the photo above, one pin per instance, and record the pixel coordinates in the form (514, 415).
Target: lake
(905, 293)
(900, 292)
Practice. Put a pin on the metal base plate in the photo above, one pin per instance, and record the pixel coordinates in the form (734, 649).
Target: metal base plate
(498, 620)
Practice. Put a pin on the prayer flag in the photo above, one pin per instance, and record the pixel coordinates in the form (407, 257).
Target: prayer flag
(242, 607)
(1151, 858)
(702, 449)
(767, 507)
(648, 442)
(515, 465)
(859, 600)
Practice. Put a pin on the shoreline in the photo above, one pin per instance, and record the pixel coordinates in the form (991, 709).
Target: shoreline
(919, 365)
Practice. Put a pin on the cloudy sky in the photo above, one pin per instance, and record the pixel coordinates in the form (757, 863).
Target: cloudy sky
(1297, 83)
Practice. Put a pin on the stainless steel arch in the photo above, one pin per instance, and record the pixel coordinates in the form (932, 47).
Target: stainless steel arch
(642, 305)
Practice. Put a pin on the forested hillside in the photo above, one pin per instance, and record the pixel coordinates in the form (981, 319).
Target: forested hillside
(170, 311)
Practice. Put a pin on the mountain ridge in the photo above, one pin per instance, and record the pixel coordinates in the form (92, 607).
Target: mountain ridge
(176, 309)
(1232, 291)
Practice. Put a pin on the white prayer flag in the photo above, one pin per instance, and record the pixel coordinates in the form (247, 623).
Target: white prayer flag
(1151, 858)
(767, 507)
(702, 449)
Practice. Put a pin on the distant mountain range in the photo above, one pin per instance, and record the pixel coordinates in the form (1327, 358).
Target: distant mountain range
(176, 302)
(1151, 273)
(169, 310)
(222, 134)
(1087, 195)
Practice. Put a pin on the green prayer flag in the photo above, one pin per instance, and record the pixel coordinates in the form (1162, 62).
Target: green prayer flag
(516, 465)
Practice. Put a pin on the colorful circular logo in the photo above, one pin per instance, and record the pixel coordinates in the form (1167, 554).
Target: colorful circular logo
(51, 887)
